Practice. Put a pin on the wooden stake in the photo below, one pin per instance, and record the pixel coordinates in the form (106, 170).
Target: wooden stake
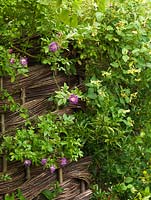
(27, 172)
(3, 123)
(23, 95)
(83, 186)
(4, 164)
(2, 115)
(4, 160)
(60, 175)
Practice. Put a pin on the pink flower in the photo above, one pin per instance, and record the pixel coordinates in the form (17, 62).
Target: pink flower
(52, 169)
(53, 47)
(43, 161)
(73, 99)
(63, 161)
(10, 51)
(27, 163)
(12, 60)
(23, 61)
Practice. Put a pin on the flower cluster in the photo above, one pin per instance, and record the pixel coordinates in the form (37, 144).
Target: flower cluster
(23, 60)
(62, 161)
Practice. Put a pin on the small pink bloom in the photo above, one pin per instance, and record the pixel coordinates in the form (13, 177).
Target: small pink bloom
(23, 61)
(10, 51)
(27, 163)
(53, 47)
(73, 99)
(43, 161)
(63, 161)
(12, 60)
(52, 169)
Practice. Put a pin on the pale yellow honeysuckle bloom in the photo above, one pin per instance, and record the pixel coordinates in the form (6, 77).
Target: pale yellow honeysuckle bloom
(133, 71)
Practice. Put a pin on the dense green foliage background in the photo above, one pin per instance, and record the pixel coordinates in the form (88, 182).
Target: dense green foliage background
(111, 41)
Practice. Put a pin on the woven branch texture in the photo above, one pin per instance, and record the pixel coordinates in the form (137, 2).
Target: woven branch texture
(33, 92)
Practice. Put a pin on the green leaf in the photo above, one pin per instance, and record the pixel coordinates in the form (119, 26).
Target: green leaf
(44, 2)
(65, 16)
(147, 190)
(128, 179)
(91, 94)
(99, 16)
(48, 194)
(123, 187)
(124, 51)
(74, 21)
(114, 64)
(125, 58)
(10, 197)
(58, 3)
(101, 4)
(22, 22)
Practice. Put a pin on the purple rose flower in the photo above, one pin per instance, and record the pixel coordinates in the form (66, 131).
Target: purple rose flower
(53, 47)
(23, 61)
(27, 163)
(63, 161)
(12, 60)
(10, 51)
(73, 99)
(43, 161)
(52, 169)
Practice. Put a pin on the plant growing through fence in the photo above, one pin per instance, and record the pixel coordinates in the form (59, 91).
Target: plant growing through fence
(112, 45)
(13, 196)
(50, 195)
(52, 138)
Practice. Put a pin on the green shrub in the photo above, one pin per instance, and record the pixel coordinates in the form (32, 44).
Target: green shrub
(111, 43)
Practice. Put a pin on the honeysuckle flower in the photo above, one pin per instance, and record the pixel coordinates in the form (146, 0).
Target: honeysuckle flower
(53, 46)
(73, 99)
(27, 163)
(63, 161)
(43, 161)
(12, 60)
(23, 61)
(52, 169)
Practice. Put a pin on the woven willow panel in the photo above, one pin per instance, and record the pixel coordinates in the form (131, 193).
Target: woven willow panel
(32, 92)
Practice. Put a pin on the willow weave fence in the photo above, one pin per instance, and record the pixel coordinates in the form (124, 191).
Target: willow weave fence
(32, 92)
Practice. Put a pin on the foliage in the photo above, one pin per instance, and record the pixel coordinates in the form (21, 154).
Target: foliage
(61, 97)
(13, 196)
(111, 42)
(52, 138)
(13, 106)
(52, 194)
(98, 193)
(5, 177)
(12, 61)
